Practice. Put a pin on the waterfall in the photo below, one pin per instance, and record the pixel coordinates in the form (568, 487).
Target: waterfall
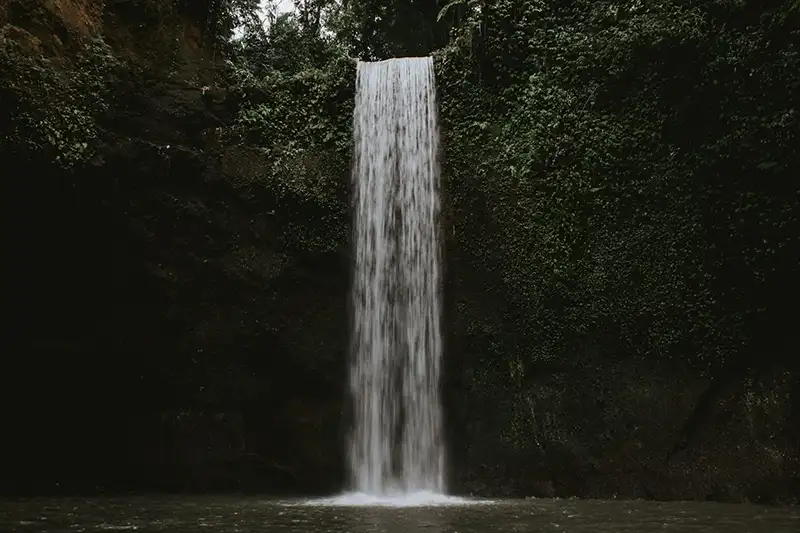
(396, 445)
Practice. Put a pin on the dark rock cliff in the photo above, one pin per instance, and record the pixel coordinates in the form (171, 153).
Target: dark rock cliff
(163, 333)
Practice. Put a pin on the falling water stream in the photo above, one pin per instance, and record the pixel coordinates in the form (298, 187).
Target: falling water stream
(396, 445)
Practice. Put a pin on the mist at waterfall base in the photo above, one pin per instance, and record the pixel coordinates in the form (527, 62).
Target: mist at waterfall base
(396, 447)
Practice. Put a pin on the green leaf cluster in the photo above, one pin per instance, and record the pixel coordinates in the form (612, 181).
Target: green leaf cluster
(52, 105)
(301, 122)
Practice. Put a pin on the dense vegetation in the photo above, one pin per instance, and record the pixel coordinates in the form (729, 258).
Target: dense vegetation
(622, 220)
(640, 186)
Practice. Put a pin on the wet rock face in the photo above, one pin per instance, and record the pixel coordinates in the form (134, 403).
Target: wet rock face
(169, 111)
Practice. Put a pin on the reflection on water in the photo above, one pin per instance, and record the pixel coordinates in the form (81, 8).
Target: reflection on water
(253, 515)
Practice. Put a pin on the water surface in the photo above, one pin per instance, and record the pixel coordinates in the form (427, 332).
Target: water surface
(251, 515)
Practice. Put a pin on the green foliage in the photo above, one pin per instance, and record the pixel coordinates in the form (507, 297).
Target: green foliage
(627, 172)
(52, 106)
(286, 47)
(300, 118)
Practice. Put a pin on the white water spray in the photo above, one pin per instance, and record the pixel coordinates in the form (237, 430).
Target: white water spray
(396, 446)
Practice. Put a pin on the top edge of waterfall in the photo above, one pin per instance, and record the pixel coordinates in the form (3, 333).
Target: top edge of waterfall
(409, 58)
